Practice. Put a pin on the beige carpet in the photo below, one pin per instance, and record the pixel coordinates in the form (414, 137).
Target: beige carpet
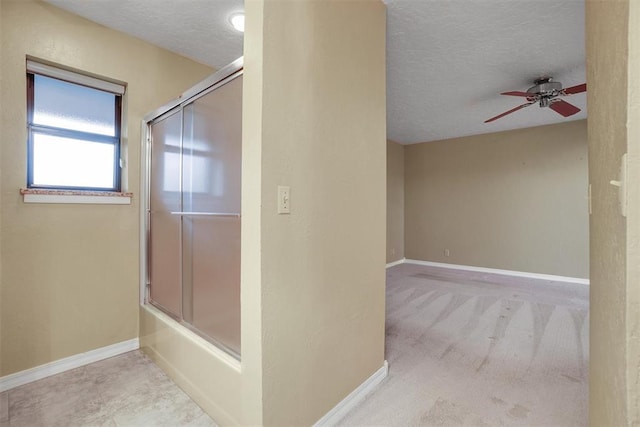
(480, 349)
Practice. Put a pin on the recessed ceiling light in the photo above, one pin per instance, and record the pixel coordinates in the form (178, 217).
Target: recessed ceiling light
(237, 20)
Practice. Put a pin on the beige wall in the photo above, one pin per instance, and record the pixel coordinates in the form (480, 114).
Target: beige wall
(395, 201)
(70, 272)
(323, 133)
(251, 234)
(1, 119)
(513, 200)
(613, 75)
(633, 215)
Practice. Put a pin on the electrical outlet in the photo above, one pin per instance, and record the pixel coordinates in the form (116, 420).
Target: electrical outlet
(447, 252)
(393, 251)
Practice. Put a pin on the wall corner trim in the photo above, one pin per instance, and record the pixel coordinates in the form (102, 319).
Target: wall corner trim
(549, 277)
(62, 365)
(398, 262)
(338, 412)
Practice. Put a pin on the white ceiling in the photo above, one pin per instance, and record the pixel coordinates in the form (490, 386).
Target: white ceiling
(447, 60)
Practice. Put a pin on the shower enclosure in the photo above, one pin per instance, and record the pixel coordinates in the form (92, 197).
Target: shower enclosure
(193, 208)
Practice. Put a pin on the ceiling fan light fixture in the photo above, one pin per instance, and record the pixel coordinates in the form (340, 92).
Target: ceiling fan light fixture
(237, 21)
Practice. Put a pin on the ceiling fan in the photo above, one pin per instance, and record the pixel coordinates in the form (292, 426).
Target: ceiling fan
(546, 93)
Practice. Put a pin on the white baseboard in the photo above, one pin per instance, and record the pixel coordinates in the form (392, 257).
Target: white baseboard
(398, 262)
(498, 271)
(332, 417)
(39, 372)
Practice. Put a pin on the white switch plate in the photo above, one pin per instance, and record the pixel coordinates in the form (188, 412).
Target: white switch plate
(284, 202)
(621, 183)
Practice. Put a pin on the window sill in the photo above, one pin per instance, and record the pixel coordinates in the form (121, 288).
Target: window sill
(75, 197)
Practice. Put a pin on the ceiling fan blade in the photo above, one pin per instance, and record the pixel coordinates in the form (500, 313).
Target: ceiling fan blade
(575, 89)
(513, 110)
(564, 108)
(518, 93)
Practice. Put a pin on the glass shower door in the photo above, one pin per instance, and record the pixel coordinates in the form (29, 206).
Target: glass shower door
(165, 240)
(194, 213)
(211, 174)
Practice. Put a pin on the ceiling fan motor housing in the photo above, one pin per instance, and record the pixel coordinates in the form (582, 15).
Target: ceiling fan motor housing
(544, 87)
(544, 91)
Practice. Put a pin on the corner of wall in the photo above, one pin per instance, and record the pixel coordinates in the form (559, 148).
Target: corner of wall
(395, 201)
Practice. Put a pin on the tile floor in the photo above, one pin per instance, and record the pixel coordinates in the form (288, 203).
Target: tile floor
(127, 390)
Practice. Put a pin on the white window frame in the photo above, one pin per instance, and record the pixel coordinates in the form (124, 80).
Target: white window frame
(35, 193)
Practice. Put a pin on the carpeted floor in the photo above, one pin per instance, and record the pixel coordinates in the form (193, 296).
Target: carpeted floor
(479, 349)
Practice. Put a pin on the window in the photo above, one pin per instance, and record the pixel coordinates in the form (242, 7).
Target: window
(73, 130)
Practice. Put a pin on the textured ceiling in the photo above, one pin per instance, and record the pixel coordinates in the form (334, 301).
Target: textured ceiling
(197, 29)
(447, 60)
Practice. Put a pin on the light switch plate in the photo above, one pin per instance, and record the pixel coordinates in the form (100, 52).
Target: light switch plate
(284, 202)
(621, 184)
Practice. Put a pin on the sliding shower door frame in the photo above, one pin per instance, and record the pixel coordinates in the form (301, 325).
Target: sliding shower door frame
(176, 106)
